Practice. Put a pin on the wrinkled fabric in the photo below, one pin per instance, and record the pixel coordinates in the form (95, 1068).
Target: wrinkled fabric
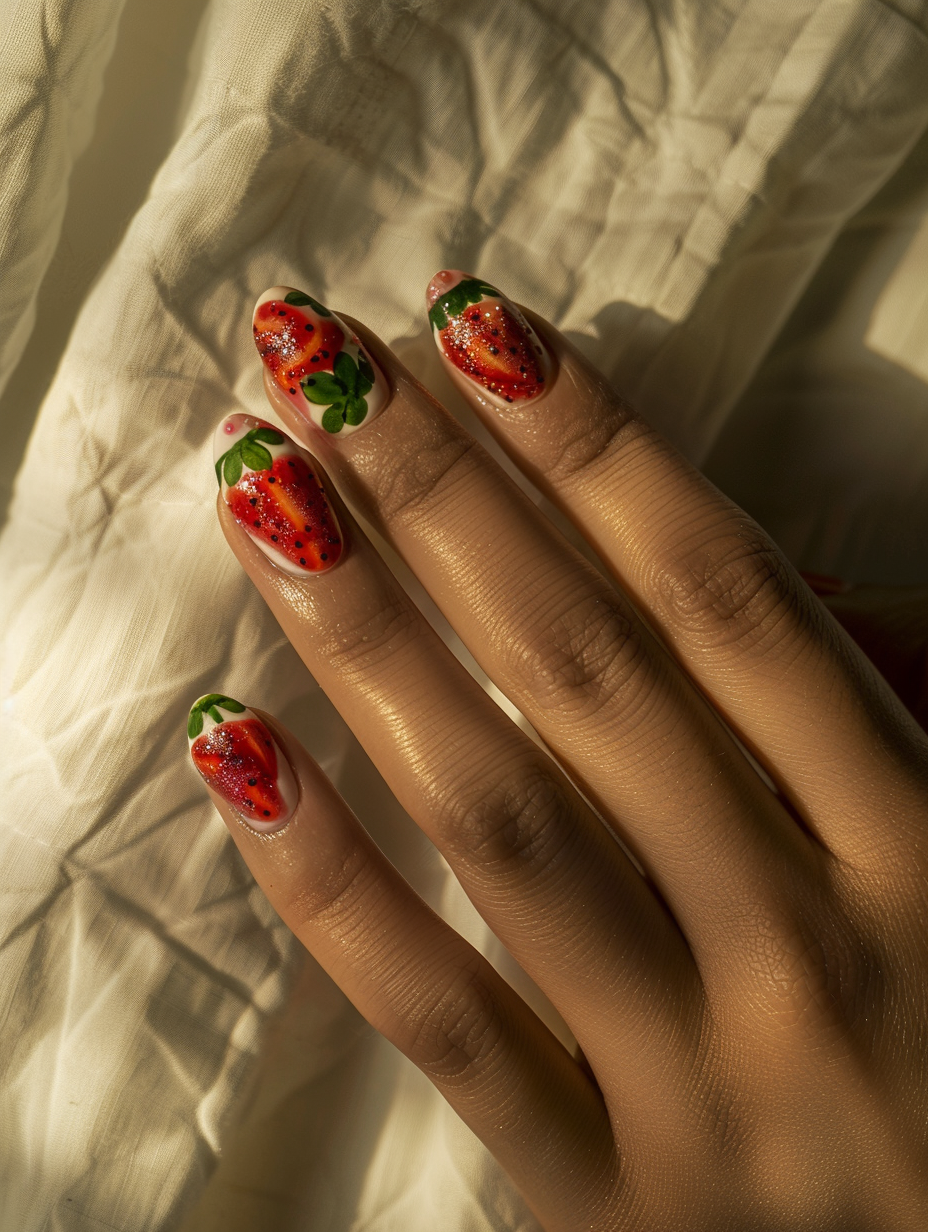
(723, 202)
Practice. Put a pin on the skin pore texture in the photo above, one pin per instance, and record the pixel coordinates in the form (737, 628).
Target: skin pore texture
(714, 864)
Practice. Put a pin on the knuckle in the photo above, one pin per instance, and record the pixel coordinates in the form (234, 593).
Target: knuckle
(583, 658)
(453, 1036)
(513, 821)
(735, 589)
(378, 633)
(812, 968)
(425, 475)
(591, 440)
(339, 883)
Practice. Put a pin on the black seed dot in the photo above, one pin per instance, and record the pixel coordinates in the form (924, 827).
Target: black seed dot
(268, 743)
(508, 399)
(315, 360)
(325, 355)
(252, 782)
(306, 528)
(325, 556)
(281, 312)
(266, 813)
(274, 537)
(302, 560)
(258, 522)
(293, 391)
(522, 369)
(541, 380)
(513, 350)
(309, 327)
(494, 350)
(250, 803)
(298, 544)
(253, 501)
(272, 479)
(291, 463)
(495, 333)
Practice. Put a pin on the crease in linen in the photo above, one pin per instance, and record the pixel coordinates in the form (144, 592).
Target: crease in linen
(670, 183)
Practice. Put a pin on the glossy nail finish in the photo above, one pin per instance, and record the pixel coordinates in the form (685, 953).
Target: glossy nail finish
(317, 362)
(487, 338)
(269, 484)
(240, 760)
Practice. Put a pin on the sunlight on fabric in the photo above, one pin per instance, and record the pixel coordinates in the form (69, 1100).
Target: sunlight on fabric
(898, 328)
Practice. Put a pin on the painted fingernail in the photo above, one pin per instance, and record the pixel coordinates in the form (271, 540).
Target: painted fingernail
(269, 483)
(487, 338)
(317, 361)
(239, 758)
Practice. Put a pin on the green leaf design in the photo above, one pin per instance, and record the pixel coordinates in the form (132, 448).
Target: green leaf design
(346, 371)
(299, 300)
(332, 419)
(247, 452)
(452, 303)
(323, 389)
(232, 465)
(255, 456)
(204, 703)
(438, 318)
(342, 391)
(355, 411)
(209, 704)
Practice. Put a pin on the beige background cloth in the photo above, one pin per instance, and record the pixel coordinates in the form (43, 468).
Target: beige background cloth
(725, 202)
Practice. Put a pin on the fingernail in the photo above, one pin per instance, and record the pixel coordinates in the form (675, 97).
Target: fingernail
(487, 338)
(317, 361)
(269, 483)
(239, 758)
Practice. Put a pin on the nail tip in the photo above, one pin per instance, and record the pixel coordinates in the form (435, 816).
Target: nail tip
(441, 283)
(278, 292)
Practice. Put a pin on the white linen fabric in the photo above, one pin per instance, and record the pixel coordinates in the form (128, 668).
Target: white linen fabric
(725, 202)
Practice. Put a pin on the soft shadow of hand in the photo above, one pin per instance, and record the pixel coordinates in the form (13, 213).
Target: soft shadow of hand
(890, 625)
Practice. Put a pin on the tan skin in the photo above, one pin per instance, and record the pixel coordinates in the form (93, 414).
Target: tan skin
(752, 1006)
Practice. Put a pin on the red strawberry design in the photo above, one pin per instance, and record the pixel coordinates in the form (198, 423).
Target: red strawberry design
(237, 759)
(286, 507)
(488, 339)
(291, 344)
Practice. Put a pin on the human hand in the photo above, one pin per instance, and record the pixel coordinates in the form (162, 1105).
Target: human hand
(750, 990)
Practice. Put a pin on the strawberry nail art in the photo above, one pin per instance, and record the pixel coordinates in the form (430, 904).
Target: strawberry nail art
(238, 757)
(317, 361)
(487, 338)
(269, 484)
